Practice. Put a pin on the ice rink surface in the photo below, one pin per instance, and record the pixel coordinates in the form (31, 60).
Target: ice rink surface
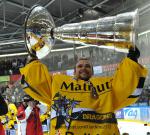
(133, 127)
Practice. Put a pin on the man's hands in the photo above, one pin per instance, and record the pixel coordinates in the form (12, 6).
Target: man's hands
(134, 54)
(31, 57)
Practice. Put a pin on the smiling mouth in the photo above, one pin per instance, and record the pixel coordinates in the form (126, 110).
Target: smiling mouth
(83, 72)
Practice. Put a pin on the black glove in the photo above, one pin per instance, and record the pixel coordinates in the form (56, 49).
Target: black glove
(134, 54)
(33, 54)
(31, 57)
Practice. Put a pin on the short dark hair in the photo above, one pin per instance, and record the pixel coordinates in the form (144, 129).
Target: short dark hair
(83, 58)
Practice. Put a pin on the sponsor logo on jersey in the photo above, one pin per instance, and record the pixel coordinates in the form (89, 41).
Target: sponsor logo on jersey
(74, 87)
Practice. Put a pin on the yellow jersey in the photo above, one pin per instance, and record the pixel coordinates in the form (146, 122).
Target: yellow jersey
(73, 110)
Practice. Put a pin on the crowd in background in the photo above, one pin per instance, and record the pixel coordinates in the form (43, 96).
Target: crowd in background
(57, 61)
(14, 118)
(13, 94)
(11, 66)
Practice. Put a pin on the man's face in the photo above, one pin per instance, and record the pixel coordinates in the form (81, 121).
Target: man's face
(83, 70)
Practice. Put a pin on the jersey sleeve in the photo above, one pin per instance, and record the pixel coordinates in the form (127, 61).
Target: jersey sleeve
(37, 81)
(127, 83)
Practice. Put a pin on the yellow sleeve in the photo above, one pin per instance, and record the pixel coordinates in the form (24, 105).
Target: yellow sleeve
(38, 81)
(128, 77)
(127, 102)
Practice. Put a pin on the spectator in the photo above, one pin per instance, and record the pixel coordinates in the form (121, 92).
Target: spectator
(29, 116)
(21, 116)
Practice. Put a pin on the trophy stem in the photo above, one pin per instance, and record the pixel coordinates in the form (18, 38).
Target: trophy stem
(115, 32)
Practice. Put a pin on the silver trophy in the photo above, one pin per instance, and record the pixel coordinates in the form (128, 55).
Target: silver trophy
(115, 32)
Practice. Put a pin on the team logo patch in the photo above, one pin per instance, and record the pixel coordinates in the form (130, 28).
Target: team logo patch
(63, 108)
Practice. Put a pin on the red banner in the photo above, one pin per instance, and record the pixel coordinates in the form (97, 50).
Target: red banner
(14, 78)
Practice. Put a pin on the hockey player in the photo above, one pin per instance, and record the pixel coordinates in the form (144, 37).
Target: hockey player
(83, 104)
